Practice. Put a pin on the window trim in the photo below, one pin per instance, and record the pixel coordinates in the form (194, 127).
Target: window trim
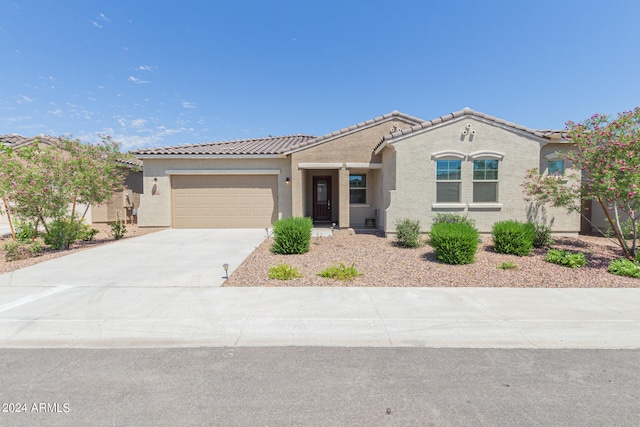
(364, 175)
(458, 181)
(496, 181)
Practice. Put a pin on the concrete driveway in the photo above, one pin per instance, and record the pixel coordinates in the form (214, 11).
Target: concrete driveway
(173, 257)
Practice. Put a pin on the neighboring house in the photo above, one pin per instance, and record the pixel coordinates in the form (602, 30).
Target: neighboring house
(122, 204)
(400, 166)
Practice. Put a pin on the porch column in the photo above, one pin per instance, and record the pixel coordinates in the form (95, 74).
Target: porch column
(296, 191)
(344, 220)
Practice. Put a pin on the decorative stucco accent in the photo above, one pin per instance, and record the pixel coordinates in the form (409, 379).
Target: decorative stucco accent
(320, 165)
(449, 153)
(223, 172)
(487, 154)
(364, 165)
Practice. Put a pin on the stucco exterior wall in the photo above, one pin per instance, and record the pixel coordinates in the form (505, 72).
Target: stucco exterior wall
(352, 147)
(114, 209)
(155, 203)
(414, 193)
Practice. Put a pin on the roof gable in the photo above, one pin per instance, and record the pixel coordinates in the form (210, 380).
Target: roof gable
(547, 134)
(394, 115)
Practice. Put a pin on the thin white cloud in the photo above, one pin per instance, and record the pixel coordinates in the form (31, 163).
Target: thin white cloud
(137, 123)
(144, 68)
(56, 112)
(104, 18)
(95, 24)
(186, 104)
(137, 80)
(23, 98)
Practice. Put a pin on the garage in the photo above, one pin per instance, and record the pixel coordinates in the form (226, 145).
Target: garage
(224, 201)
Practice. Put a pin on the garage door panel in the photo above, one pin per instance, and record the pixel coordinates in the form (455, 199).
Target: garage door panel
(224, 201)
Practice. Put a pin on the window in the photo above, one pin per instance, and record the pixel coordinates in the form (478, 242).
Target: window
(448, 181)
(485, 181)
(556, 167)
(357, 189)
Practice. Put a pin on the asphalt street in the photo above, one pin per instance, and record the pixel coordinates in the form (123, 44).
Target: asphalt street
(319, 386)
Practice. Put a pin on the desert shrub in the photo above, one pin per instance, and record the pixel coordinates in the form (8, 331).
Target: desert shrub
(453, 218)
(408, 233)
(624, 267)
(566, 258)
(454, 243)
(89, 234)
(340, 272)
(284, 272)
(118, 230)
(507, 265)
(25, 231)
(18, 250)
(513, 237)
(542, 238)
(292, 235)
(61, 233)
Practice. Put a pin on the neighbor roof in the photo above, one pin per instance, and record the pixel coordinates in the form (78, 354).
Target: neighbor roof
(269, 145)
(546, 134)
(15, 140)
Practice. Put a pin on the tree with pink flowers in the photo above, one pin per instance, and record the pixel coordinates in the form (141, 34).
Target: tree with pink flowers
(606, 153)
(41, 184)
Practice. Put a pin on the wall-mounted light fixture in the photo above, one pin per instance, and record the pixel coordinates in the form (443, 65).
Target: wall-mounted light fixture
(287, 181)
(226, 270)
(154, 187)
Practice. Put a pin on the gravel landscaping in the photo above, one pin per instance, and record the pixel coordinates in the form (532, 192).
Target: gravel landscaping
(383, 263)
(102, 238)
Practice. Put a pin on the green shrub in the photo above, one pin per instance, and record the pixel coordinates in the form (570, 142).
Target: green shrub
(624, 267)
(408, 233)
(542, 237)
(118, 230)
(513, 237)
(340, 272)
(565, 258)
(507, 265)
(25, 231)
(454, 242)
(284, 272)
(626, 229)
(292, 235)
(61, 233)
(451, 217)
(89, 234)
(18, 250)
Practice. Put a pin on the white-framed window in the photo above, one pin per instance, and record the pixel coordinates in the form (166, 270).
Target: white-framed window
(448, 180)
(555, 167)
(357, 188)
(485, 181)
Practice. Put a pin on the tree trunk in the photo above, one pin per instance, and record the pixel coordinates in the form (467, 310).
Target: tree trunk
(623, 243)
(6, 208)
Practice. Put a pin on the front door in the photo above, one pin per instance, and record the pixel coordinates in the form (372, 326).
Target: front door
(322, 198)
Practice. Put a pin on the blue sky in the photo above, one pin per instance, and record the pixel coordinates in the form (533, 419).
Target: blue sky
(158, 72)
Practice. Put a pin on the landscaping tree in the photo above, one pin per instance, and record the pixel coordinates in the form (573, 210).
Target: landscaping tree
(45, 184)
(606, 151)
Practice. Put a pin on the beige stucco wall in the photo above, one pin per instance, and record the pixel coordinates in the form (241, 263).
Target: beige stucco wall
(352, 147)
(155, 203)
(114, 209)
(413, 194)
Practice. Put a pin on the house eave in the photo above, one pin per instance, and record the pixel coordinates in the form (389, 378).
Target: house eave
(210, 156)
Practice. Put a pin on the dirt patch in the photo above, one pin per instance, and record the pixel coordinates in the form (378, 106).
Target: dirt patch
(384, 264)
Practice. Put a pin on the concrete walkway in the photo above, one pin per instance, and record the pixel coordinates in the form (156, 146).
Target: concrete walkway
(162, 290)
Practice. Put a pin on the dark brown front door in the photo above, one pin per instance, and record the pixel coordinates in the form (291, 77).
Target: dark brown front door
(322, 198)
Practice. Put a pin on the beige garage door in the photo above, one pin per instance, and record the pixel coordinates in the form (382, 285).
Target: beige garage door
(224, 201)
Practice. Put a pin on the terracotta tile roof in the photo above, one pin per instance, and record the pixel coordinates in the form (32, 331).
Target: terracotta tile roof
(547, 134)
(390, 116)
(15, 140)
(269, 145)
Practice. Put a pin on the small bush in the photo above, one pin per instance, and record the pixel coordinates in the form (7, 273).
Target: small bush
(61, 233)
(454, 243)
(88, 235)
(507, 265)
(542, 237)
(340, 272)
(292, 235)
(25, 231)
(284, 272)
(16, 250)
(624, 267)
(118, 230)
(453, 218)
(513, 237)
(408, 233)
(565, 258)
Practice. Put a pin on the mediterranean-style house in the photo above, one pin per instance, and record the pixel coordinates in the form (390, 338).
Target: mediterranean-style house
(385, 169)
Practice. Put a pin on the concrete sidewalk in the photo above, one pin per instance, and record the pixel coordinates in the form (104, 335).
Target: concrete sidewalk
(179, 316)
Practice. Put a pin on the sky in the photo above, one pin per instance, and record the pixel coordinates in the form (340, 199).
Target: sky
(154, 73)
